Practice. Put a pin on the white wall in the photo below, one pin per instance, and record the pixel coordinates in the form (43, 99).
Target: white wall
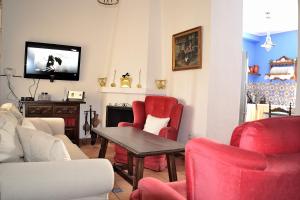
(225, 69)
(189, 86)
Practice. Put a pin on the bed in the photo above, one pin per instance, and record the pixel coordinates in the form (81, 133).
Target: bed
(283, 68)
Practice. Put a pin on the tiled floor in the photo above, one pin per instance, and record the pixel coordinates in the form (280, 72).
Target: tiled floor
(120, 183)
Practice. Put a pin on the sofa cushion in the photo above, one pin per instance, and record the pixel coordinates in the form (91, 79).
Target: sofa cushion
(9, 116)
(74, 151)
(154, 124)
(10, 147)
(40, 146)
(40, 124)
(28, 124)
(14, 110)
(272, 136)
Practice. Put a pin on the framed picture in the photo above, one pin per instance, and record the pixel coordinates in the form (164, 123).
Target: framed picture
(187, 49)
(75, 95)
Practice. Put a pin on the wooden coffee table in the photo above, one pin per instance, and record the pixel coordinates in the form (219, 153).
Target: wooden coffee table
(139, 144)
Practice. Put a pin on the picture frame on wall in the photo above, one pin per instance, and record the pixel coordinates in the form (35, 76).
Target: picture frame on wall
(187, 49)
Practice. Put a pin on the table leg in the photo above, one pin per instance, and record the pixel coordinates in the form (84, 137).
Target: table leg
(139, 171)
(130, 163)
(103, 148)
(171, 167)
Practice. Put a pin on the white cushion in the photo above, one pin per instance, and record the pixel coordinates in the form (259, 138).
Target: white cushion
(14, 110)
(28, 124)
(40, 146)
(10, 147)
(41, 125)
(9, 116)
(154, 124)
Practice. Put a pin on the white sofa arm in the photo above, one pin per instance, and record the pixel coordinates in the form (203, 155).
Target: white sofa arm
(57, 125)
(56, 180)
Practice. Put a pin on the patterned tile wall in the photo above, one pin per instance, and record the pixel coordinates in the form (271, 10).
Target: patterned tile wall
(278, 93)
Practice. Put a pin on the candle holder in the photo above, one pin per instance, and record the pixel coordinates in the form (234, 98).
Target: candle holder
(139, 85)
(113, 84)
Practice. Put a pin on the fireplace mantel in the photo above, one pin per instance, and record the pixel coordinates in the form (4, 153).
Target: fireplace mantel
(142, 91)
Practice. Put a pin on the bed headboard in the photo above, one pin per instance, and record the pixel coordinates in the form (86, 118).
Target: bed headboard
(283, 68)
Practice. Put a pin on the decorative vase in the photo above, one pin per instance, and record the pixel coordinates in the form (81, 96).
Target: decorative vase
(125, 82)
(255, 69)
(95, 121)
(102, 81)
(161, 84)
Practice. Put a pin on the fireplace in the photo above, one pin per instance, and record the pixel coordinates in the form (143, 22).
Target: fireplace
(116, 114)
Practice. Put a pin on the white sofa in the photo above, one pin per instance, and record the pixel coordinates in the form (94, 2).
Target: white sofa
(78, 178)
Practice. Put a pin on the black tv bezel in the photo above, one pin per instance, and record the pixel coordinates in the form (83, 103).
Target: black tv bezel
(58, 75)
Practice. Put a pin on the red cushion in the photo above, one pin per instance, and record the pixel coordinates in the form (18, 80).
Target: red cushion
(272, 136)
(159, 106)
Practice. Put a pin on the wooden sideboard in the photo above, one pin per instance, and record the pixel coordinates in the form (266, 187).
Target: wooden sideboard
(68, 110)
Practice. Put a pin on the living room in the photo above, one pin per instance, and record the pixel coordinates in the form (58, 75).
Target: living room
(135, 36)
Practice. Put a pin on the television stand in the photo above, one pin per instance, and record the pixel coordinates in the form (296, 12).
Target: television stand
(68, 110)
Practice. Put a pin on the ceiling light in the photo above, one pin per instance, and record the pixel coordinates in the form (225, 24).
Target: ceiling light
(268, 43)
(108, 2)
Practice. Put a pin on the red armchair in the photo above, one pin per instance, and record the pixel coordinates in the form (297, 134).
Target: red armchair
(263, 163)
(158, 106)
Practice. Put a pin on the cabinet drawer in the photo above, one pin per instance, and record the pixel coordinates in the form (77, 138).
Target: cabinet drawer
(65, 109)
(40, 110)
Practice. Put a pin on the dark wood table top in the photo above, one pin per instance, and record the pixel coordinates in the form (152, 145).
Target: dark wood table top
(139, 142)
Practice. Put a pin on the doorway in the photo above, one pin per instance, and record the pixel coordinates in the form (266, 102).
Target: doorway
(270, 32)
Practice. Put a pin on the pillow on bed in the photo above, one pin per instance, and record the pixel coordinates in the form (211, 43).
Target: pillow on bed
(282, 70)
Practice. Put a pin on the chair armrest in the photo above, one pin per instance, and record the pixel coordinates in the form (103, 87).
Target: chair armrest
(148, 190)
(168, 132)
(135, 125)
(56, 180)
(57, 125)
(138, 108)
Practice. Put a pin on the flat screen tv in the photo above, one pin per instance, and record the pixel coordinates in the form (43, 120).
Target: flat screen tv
(51, 61)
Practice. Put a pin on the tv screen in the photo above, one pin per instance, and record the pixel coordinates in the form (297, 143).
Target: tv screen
(51, 61)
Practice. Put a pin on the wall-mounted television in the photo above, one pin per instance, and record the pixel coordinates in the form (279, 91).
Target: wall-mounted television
(51, 61)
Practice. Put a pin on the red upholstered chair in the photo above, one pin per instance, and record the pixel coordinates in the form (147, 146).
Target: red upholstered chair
(263, 163)
(157, 106)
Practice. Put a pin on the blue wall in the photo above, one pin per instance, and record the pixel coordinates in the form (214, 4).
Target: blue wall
(286, 45)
